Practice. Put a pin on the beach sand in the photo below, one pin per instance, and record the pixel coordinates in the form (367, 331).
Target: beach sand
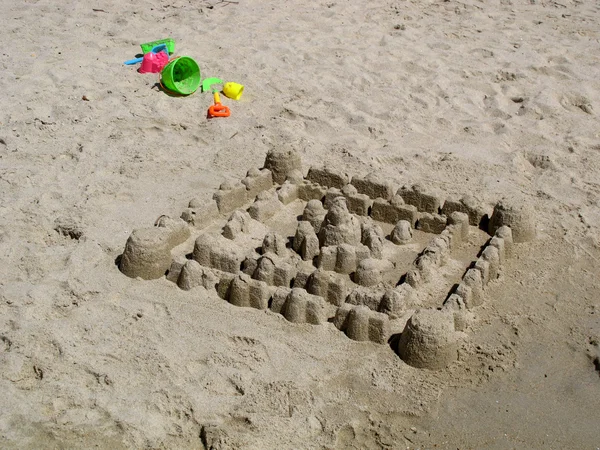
(496, 99)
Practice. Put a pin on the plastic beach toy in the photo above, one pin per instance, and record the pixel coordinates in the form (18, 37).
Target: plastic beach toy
(218, 110)
(181, 75)
(154, 62)
(233, 90)
(208, 82)
(169, 43)
(157, 49)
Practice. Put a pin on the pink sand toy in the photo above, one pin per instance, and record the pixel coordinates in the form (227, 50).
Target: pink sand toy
(154, 62)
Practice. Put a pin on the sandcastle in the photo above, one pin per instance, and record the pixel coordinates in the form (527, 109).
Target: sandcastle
(358, 252)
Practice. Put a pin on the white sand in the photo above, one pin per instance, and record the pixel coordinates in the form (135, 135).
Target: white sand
(491, 98)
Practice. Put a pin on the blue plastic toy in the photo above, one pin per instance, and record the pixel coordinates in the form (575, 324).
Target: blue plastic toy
(157, 49)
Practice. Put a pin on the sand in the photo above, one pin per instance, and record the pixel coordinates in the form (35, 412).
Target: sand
(496, 99)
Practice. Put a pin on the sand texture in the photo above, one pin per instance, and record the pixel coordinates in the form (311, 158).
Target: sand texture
(496, 100)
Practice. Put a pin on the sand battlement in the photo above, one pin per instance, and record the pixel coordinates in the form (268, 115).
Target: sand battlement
(360, 252)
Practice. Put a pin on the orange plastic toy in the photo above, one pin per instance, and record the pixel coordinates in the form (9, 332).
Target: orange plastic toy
(218, 110)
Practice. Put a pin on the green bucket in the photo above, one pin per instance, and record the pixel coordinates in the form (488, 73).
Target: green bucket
(181, 75)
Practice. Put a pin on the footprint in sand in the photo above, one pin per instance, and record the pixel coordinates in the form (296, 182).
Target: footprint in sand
(576, 103)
